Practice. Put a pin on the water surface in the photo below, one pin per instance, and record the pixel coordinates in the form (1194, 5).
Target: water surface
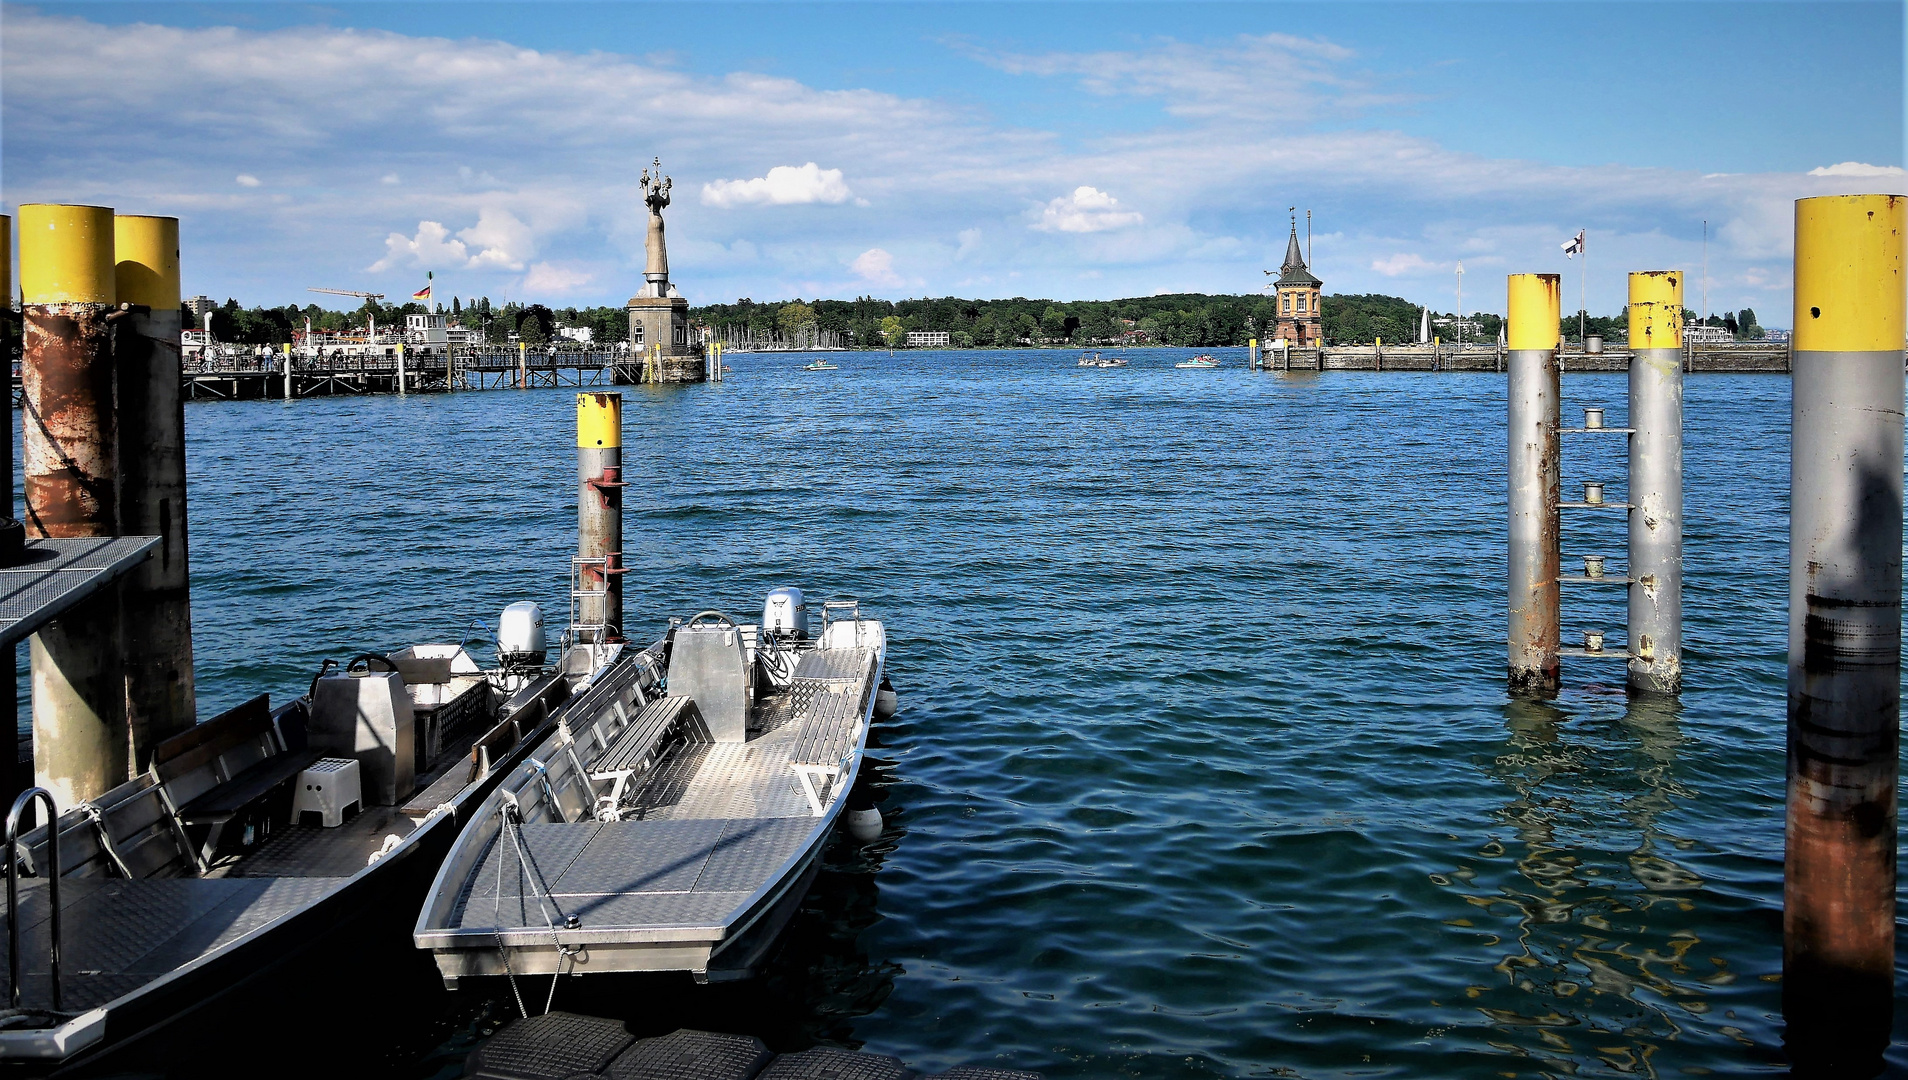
(1205, 765)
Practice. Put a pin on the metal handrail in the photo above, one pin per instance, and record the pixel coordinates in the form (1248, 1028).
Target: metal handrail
(13, 889)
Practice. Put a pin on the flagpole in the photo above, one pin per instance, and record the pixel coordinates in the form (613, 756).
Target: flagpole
(1583, 290)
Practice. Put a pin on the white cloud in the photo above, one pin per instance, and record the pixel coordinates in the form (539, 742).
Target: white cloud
(970, 243)
(1404, 263)
(389, 178)
(546, 278)
(431, 247)
(500, 238)
(1087, 210)
(247, 180)
(784, 185)
(1856, 168)
(500, 241)
(876, 267)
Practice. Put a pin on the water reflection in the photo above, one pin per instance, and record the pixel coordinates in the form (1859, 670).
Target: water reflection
(1598, 963)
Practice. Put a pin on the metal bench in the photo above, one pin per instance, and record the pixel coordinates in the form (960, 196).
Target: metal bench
(225, 770)
(829, 712)
(637, 749)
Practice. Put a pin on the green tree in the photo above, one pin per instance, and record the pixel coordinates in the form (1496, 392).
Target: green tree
(892, 332)
(795, 318)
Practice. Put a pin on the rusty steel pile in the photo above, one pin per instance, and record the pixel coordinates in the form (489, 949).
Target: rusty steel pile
(1845, 544)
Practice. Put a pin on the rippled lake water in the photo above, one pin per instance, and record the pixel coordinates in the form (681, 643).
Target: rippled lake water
(1205, 765)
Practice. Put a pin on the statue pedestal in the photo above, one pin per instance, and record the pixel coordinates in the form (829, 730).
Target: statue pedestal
(664, 320)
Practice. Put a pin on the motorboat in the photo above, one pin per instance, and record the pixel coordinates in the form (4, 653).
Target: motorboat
(262, 834)
(1089, 361)
(1115, 362)
(1198, 362)
(676, 815)
(819, 365)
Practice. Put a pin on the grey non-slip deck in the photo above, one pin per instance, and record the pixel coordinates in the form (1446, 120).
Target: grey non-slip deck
(708, 830)
(676, 874)
(117, 935)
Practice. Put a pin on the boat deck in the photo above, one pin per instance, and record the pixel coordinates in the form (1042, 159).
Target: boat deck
(708, 829)
(117, 935)
(711, 829)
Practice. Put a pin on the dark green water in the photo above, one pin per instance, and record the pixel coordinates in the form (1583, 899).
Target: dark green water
(1204, 766)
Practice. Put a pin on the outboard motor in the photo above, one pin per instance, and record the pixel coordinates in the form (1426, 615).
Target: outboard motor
(784, 622)
(784, 615)
(520, 636)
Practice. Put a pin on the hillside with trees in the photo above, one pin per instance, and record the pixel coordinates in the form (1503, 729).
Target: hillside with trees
(1198, 320)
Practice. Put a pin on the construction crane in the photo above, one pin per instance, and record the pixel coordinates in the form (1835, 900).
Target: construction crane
(350, 292)
(371, 321)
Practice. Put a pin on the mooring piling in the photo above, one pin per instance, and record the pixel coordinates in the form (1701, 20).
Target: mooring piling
(1656, 482)
(1534, 413)
(82, 745)
(156, 601)
(597, 584)
(1845, 536)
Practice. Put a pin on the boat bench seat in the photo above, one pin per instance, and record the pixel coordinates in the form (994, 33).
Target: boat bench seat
(638, 747)
(830, 713)
(226, 769)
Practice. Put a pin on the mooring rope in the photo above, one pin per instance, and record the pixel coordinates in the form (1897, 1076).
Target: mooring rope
(527, 869)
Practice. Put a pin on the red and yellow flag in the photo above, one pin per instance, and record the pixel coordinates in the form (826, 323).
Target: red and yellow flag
(422, 294)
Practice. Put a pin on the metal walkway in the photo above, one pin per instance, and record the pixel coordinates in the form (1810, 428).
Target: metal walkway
(57, 574)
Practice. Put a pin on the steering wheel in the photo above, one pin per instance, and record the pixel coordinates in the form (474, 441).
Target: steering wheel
(712, 614)
(371, 661)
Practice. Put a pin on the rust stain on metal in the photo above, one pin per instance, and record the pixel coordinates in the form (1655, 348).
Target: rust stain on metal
(70, 437)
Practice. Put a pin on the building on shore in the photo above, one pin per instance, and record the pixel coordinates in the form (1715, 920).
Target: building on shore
(1298, 323)
(659, 315)
(930, 339)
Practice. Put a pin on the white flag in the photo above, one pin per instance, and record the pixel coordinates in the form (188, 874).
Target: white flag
(1574, 245)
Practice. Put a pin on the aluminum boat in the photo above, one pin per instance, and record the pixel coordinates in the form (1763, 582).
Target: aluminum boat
(673, 819)
(262, 836)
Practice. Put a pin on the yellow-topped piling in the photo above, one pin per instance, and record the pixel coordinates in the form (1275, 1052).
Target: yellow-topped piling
(1533, 393)
(156, 600)
(1850, 295)
(1533, 302)
(147, 254)
(1656, 309)
(82, 738)
(599, 420)
(1845, 596)
(66, 254)
(599, 516)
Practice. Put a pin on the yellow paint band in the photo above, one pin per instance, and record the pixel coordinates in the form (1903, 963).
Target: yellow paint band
(1532, 302)
(1850, 295)
(66, 254)
(599, 421)
(147, 250)
(1656, 309)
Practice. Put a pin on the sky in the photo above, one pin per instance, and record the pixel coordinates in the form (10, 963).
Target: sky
(1064, 150)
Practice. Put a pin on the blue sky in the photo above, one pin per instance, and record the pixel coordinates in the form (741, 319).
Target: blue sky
(1067, 150)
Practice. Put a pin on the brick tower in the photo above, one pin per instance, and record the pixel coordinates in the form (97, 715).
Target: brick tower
(1297, 297)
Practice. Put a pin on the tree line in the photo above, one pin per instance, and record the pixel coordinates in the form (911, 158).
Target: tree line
(1198, 320)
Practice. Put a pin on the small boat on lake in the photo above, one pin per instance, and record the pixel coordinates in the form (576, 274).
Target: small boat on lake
(1115, 362)
(819, 365)
(674, 819)
(1089, 361)
(1200, 362)
(264, 835)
